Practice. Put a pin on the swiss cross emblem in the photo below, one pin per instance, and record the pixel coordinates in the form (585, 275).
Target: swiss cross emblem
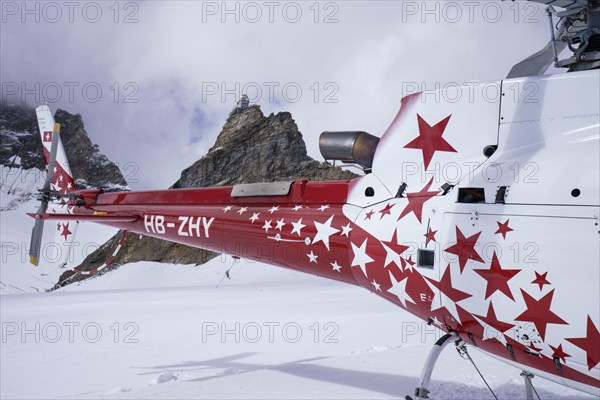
(48, 136)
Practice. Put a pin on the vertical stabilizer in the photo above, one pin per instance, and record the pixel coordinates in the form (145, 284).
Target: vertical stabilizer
(59, 180)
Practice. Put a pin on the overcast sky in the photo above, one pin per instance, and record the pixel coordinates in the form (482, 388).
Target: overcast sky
(155, 81)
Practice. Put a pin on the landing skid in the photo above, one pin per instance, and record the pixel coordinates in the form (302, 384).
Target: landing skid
(422, 391)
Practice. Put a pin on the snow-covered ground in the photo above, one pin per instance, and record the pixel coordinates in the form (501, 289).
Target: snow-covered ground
(18, 191)
(265, 333)
(150, 330)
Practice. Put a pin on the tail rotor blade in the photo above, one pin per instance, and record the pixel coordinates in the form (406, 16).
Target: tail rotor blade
(36, 236)
(38, 229)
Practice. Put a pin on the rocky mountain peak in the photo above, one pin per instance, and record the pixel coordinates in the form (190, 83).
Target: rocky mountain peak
(254, 148)
(250, 122)
(90, 167)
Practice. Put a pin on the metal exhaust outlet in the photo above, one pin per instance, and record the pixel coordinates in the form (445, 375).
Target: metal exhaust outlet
(351, 147)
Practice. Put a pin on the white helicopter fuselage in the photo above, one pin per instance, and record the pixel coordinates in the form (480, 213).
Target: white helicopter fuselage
(507, 242)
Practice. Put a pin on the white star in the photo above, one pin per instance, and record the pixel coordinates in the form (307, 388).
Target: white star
(280, 224)
(312, 257)
(408, 266)
(242, 210)
(254, 217)
(60, 178)
(361, 258)
(436, 321)
(298, 227)
(336, 267)
(324, 231)
(391, 256)
(267, 226)
(399, 289)
(56, 187)
(489, 332)
(323, 208)
(228, 208)
(440, 299)
(273, 209)
(69, 186)
(297, 208)
(346, 230)
(377, 285)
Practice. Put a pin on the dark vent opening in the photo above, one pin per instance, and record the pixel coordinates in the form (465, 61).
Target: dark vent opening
(426, 258)
(593, 43)
(471, 195)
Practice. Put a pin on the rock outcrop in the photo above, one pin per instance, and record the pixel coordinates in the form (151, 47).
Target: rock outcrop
(20, 137)
(250, 148)
(254, 148)
(91, 169)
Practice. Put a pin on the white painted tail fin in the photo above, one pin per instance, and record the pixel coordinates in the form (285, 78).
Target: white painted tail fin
(62, 182)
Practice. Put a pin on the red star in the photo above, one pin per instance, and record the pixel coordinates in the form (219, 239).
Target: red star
(590, 344)
(66, 232)
(541, 280)
(430, 236)
(430, 139)
(497, 278)
(410, 261)
(395, 245)
(417, 200)
(538, 312)
(445, 286)
(386, 210)
(503, 228)
(532, 347)
(369, 215)
(58, 226)
(493, 321)
(465, 249)
(559, 353)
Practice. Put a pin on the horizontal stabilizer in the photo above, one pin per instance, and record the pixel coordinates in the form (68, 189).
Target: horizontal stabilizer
(83, 217)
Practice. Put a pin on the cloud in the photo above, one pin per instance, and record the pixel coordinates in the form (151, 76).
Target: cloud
(170, 72)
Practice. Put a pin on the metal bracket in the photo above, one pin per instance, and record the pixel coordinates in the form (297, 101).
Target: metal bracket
(401, 190)
(501, 194)
(261, 189)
